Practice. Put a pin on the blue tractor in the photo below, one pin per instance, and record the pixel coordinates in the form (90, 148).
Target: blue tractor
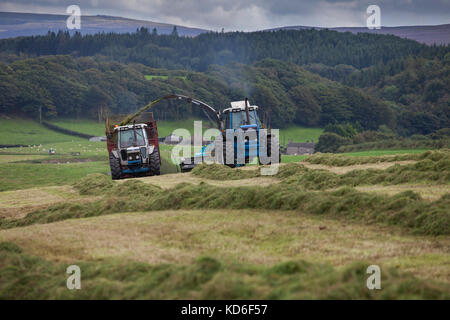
(240, 140)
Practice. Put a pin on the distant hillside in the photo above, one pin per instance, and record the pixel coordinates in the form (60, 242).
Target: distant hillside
(439, 34)
(14, 24)
(70, 87)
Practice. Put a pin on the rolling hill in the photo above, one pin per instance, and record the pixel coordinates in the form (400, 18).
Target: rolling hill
(15, 24)
(429, 34)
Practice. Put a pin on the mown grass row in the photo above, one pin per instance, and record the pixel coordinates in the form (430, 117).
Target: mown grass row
(434, 168)
(220, 172)
(24, 276)
(425, 171)
(337, 160)
(402, 143)
(407, 210)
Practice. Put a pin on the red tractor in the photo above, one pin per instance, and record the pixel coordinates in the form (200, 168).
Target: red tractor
(133, 148)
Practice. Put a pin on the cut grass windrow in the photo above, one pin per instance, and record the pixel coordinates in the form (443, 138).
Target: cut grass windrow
(433, 168)
(407, 209)
(338, 160)
(221, 172)
(425, 171)
(24, 276)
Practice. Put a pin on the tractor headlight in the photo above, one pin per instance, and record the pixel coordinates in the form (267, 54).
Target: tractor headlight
(130, 158)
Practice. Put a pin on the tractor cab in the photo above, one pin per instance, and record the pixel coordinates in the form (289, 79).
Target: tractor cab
(133, 149)
(133, 144)
(131, 136)
(241, 117)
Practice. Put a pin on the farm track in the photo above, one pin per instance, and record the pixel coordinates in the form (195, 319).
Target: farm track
(427, 192)
(345, 169)
(171, 180)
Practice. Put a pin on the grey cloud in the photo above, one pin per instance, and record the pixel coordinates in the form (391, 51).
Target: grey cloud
(251, 15)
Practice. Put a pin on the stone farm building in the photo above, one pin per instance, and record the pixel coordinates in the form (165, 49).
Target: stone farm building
(294, 148)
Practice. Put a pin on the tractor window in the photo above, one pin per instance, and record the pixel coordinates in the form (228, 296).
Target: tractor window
(252, 115)
(127, 138)
(240, 118)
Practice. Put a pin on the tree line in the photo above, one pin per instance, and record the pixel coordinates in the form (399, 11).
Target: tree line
(78, 87)
(301, 47)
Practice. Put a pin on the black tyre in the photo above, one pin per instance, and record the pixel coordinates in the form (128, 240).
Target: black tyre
(273, 140)
(155, 163)
(114, 164)
(229, 158)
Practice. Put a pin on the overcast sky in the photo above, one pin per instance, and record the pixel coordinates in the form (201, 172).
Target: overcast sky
(248, 15)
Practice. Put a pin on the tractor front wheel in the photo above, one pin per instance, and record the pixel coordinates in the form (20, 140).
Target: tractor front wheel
(229, 158)
(155, 163)
(114, 164)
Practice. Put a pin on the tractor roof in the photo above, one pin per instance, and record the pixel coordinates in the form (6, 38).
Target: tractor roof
(237, 106)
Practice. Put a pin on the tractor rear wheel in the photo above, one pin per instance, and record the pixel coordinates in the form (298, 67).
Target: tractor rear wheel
(155, 163)
(114, 164)
(271, 140)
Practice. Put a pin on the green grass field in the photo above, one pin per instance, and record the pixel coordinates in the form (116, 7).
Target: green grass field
(165, 128)
(15, 176)
(374, 153)
(292, 158)
(92, 127)
(85, 126)
(28, 132)
(63, 149)
(151, 77)
(299, 134)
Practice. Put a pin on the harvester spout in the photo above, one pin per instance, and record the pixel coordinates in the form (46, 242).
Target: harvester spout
(204, 106)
